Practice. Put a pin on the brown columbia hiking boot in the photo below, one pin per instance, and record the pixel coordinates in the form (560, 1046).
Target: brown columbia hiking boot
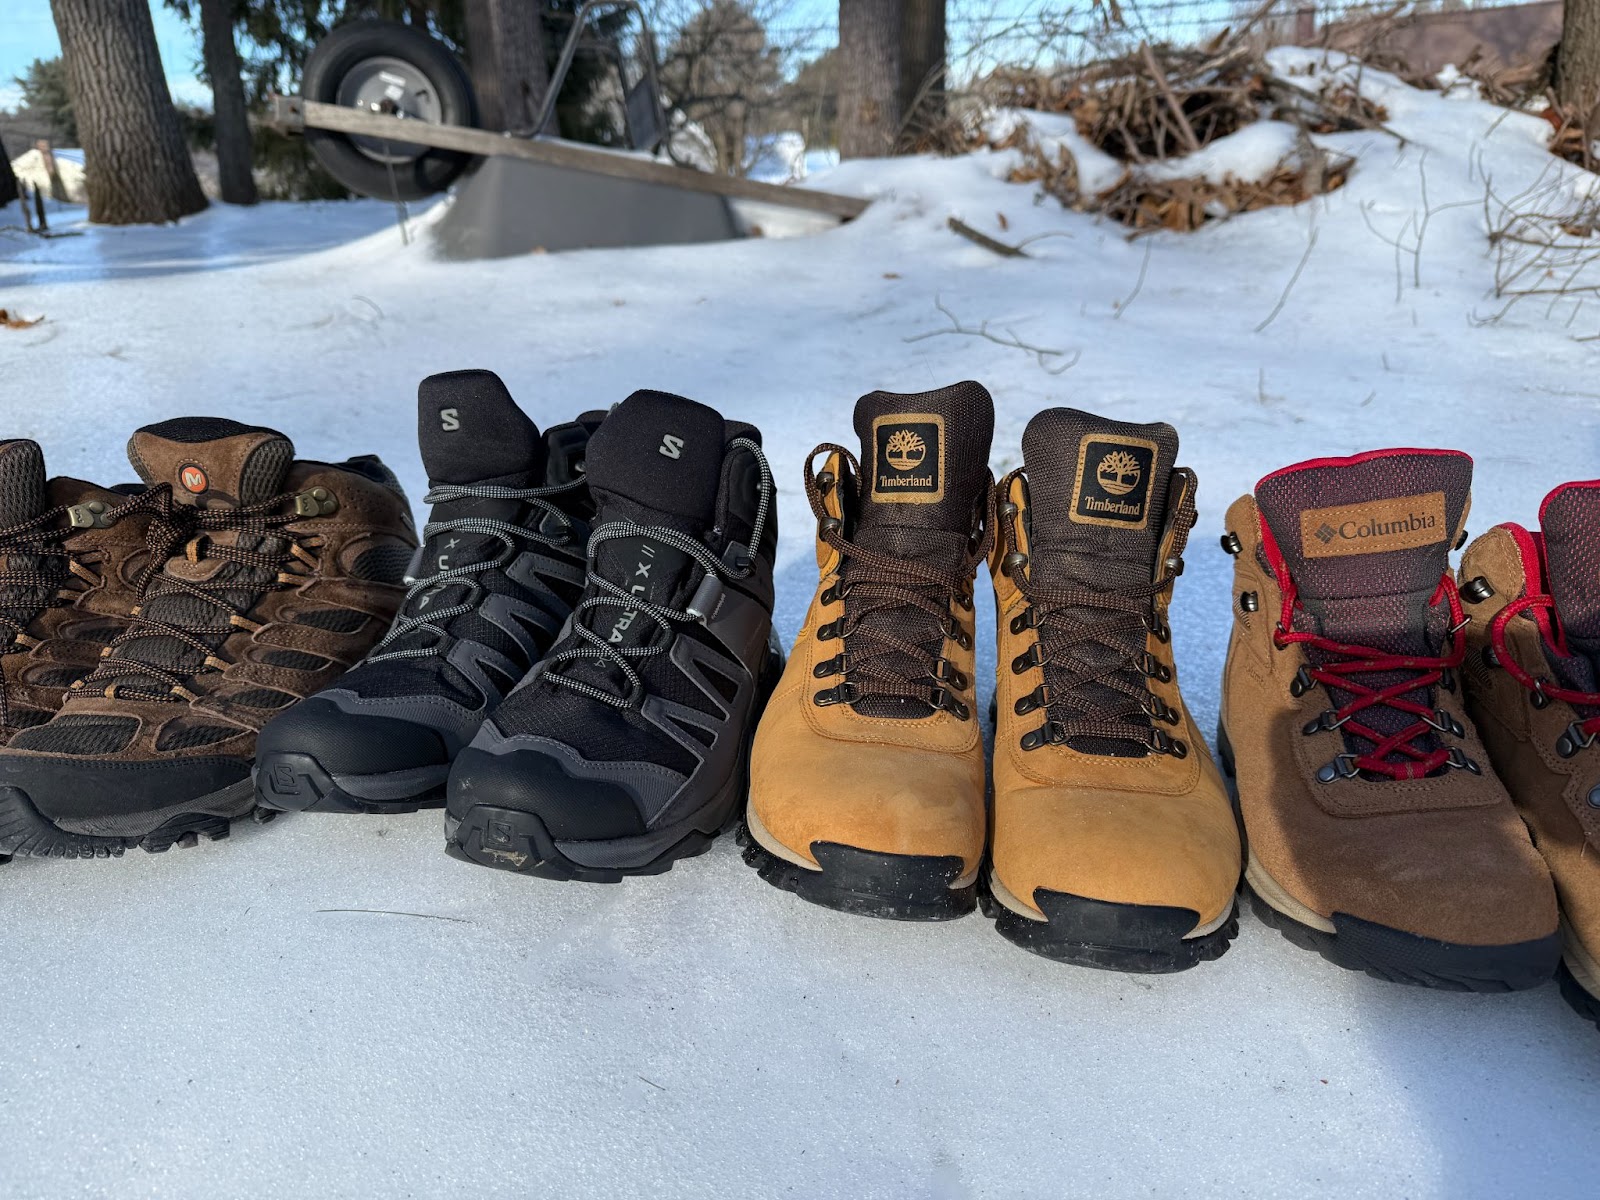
(1115, 844)
(867, 780)
(1533, 685)
(266, 578)
(67, 560)
(1378, 836)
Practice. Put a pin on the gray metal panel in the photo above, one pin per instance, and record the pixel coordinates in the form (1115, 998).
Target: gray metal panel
(507, 206)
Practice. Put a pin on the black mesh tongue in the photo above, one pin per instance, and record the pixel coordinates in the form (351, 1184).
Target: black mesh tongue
(212, 461)
(1570, 518)
(1097, 498)
(924, 462)
(1366, 540)
(470, 430)
(22, 482)
(662, 455)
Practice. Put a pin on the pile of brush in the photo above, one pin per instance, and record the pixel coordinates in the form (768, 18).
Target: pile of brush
(1154, 104)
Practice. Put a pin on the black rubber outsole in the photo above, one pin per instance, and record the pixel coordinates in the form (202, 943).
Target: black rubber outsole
(1140, 939)
(508, 839)
(27, 832)
(893, 887)
(1398, 957)
(299, 783)
(1574, 993)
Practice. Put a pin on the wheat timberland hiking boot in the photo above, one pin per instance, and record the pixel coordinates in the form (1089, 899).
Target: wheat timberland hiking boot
(867, 783)
(1533, 686)
(1377, 833)
(1115, 843)
(502, 563)
(627, 747)
(266, 578)
(68, 553)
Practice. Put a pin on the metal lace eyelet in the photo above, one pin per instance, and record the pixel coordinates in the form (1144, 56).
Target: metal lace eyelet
(1476, 590)
(1302, 682)
(839, 693)
(825, 482)
(1459, 759)
(945, 671)
(830, 631)
(1343, 766)
(1023, 620)
(1012, 562)
(829, 667)
(1573, 739)
(830, 594)
(1231, 544)
(1033, 739)
(829, 525)
(1594, 797)
(1490, 658)
(1249, 602)
(1027, 704)
(1536, 696)
(1027, 660)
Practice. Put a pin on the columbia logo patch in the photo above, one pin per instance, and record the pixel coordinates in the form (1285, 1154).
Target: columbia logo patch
(1374, 526)
(1326, 533)
(908, 458)
(1112, 486)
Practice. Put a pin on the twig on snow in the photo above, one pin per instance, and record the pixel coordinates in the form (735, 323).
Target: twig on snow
(1311, 244)
(1144, 267)
(993, 245)
(1040, 353)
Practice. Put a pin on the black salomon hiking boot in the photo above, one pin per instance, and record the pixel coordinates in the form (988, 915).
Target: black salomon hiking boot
(628, 747)
(500, 567)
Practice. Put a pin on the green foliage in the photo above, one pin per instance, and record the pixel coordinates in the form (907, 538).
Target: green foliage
(44, 89)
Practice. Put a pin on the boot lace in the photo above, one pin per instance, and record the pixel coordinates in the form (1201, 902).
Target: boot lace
(507, 533)
(873, 655)
(1079, 651)
(1343, 662)
(585, 645)
(1582, 732)
(186, 530)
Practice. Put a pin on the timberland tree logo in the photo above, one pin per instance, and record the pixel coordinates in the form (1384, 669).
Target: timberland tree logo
(908, 458)
(1395, 523)
(193, 479)
(1112, 486)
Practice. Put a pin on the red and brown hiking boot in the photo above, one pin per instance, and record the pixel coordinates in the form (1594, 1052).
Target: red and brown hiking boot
(265, 578)
(1533, 684)
(1377, 834)
(68, 553)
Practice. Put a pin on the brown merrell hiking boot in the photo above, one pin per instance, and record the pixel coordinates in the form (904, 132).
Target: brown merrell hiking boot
(266, 579)
(1115, 843)
(67, 551)
(866, 782)
(1533, 685)
(1377, 833)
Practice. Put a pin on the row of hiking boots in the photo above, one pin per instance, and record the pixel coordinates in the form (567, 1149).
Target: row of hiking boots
(576, 659)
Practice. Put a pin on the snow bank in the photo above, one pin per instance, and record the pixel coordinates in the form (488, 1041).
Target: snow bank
(220, 1022)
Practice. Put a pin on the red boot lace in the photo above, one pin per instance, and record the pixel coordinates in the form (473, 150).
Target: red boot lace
(1581, 732)
(1360, 660)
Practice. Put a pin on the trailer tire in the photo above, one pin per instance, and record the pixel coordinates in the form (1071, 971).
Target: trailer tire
(365, 62)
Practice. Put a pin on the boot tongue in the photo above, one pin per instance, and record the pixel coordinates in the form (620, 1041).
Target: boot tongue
(22, 482)
(470, 430)
(1366, 540)
(211, 461)
(1570, 518)
(655, 460)
(567, 447)
(1097, 498)
(924, 461)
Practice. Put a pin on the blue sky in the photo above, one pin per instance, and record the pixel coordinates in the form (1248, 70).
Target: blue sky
(27, 32)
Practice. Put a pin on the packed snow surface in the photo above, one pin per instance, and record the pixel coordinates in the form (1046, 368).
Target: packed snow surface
(329, 1006)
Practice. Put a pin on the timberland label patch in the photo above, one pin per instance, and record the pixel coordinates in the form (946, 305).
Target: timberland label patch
(1401, 523)
(1113, 482)
(908, 458)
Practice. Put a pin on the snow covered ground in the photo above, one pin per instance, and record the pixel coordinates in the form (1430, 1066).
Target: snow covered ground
(329, 1006)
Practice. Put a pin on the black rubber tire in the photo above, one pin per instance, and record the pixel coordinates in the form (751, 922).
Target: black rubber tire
(335, 56)
(895, 887)
(1135, 938)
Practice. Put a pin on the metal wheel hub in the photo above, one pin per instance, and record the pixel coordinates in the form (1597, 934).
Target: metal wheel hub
(396, 88)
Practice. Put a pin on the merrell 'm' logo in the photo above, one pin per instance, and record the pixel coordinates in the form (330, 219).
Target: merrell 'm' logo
(193, 479)
(1396, 523)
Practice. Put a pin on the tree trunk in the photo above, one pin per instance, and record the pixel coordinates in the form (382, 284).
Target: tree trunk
(235, 147)
(505, 43)
(870, 58)
(922, 65)
(1578, 61)
(136, 165)
(8, 181)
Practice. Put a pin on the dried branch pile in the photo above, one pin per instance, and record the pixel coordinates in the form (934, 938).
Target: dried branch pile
(1162, 102)
(1546, 246)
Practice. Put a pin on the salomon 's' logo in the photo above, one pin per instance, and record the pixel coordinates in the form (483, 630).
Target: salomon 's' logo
(671, 446)
(449, 420)
(193, 479)
(1399, 523)
(1112, 486)
(908, 458)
